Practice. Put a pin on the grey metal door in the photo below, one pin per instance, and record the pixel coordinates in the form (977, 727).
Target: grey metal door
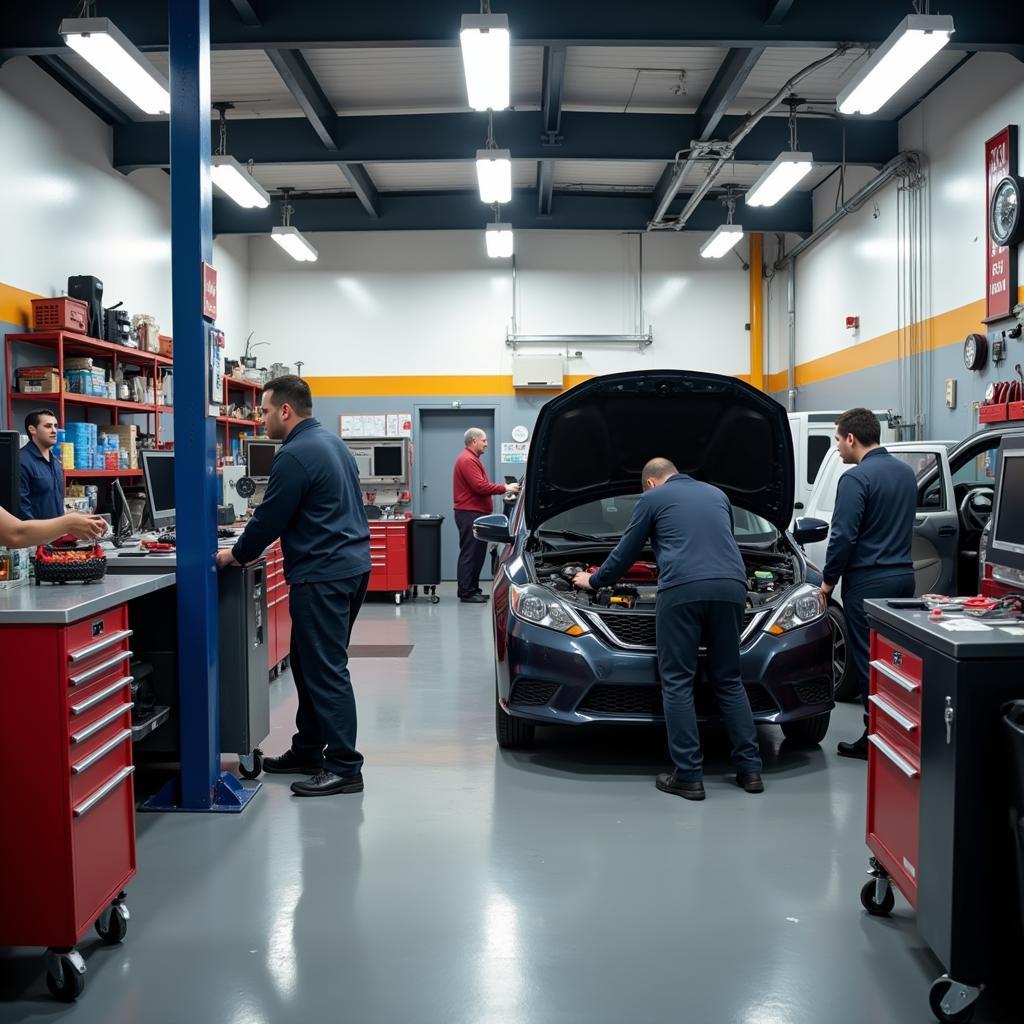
(440, 441)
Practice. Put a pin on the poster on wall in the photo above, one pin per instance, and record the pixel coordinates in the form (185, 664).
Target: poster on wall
(512, 452)
(1000, 261)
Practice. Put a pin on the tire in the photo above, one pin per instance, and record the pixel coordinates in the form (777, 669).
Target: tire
(511, 733)
(807, 732)
(867, 900)
(935, 996)
(844, 679)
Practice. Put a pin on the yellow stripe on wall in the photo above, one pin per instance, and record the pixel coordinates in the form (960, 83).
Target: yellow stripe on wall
(426, 385)
(16, 305)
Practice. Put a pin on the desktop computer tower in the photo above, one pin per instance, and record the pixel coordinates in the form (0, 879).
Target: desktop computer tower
(10, 471)
(90, 290)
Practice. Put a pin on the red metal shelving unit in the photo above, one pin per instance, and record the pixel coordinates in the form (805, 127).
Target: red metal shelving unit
(229, 422)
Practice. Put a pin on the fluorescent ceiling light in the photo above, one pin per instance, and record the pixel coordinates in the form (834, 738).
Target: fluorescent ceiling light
(494, 174)
(724, 238)
(783, 174)
(915, 40)
(292, 241)
(485, 55)
(237, 183)
(113, 55)
(499, 240)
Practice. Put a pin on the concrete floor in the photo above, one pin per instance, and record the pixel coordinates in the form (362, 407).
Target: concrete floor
(470, 886)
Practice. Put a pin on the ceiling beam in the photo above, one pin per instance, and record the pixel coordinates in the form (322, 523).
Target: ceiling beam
(545, 187)
(83, 91)
(462, 210)
(313, 101)
(551, 93)
(776, 11)
(725, 87)
(246, 11)
(417, 138)
(726, 24)
(362, 184)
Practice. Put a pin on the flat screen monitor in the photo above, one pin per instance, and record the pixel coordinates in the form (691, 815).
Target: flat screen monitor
(381, 462)
(158, 472)
(388, 460)
(10, 471)
(122, 525)
(259, 456)
(1008, 517)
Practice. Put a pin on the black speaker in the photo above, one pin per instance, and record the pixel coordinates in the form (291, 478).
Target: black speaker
(90, 291)
(10, 471)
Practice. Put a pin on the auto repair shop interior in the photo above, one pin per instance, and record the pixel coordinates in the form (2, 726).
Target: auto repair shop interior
(599, 233)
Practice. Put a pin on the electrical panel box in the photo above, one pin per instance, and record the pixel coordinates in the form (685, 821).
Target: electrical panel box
(537, 371)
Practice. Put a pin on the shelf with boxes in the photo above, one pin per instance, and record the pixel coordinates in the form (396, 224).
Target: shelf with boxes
(239, 395)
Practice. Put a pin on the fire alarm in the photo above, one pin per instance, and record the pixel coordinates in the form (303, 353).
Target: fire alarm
(852, 325)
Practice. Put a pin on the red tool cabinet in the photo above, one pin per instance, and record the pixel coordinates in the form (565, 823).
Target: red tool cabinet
(937, 804)
(389, 557)
(67, 801)
(279, 620)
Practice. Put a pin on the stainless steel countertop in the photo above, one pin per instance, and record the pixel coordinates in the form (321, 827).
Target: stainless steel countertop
(60, 604)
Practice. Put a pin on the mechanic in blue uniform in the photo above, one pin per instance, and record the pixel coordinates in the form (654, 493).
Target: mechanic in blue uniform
(42, 474)
(314, 503)
(869, 545)
(702, 592)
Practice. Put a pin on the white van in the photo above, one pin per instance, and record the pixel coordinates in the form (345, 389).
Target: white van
(813, 437)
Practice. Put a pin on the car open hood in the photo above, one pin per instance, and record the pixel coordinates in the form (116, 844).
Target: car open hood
(593, 441)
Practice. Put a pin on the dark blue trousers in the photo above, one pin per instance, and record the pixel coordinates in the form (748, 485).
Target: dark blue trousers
(859, 586)
(682, 625)
(322, 618)
(471, 553)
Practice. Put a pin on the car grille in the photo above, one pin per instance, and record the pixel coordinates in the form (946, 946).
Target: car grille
(613, 700)
(532, 693)
(632, 630)
(815, 691)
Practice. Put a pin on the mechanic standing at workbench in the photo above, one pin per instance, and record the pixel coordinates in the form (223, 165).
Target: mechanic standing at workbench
(702, 592)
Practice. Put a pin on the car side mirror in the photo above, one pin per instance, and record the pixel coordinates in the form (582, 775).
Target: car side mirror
(808, 530)
(492, 528)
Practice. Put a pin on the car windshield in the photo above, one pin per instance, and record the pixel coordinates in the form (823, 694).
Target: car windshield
(607, 519)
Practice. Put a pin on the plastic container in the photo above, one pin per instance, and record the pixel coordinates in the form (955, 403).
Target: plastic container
(425, 542)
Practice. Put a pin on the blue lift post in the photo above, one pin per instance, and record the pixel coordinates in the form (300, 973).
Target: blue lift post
(201, 786)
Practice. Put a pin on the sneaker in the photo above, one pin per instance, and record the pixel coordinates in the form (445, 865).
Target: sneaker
(290, 763)
(687, 789)
(750, 781)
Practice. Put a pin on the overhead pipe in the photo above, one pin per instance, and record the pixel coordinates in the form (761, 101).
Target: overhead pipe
(727, 149)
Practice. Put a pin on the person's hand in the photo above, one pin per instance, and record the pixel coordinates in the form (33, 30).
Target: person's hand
(511, 488)
(85, 527)
(827, 588)
(224, 557)
(582, 580)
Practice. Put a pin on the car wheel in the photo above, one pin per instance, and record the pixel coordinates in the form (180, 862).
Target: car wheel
(807, 732)
(512, 733)
(844, 679)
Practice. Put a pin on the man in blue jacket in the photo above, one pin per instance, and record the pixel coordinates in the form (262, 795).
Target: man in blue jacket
(314, 503)
(42, 475)
(869, 544)
(702, 592)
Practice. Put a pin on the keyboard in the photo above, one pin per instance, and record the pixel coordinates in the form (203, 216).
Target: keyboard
(167, 538)
(223, 533)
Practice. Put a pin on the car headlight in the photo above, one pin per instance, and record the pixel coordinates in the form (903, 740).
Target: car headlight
(804, 605)
(539, 606)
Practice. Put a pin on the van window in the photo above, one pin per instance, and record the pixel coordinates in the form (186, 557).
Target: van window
(931, 495)
(818, 446)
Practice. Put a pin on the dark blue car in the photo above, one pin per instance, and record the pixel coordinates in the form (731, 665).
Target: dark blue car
(570, 657)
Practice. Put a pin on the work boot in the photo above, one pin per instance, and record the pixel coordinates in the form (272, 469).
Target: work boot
(688, 789)
(858, 749)
(750, 781)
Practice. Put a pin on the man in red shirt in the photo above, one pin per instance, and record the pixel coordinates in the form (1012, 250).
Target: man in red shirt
(474, 497)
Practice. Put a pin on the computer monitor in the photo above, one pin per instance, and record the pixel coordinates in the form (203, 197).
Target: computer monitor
(382, 462)
(158, 472)
(1007, 530)
(258, 455)
(10, 471)
(122, 526)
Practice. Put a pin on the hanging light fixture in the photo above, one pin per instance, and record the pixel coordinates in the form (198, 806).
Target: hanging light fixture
(784, 173)
(914, 41)
(498, 238)
(486, 54)
(234, 180)
(725, 236)
(494, 169)
(113, 55)
(290, 238)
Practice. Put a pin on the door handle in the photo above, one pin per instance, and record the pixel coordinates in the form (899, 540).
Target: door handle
(946, 531)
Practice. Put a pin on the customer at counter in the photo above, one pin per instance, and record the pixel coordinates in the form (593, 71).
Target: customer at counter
(17, 534)
(42, 475)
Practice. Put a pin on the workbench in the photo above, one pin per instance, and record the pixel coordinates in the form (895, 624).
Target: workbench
(938, 796)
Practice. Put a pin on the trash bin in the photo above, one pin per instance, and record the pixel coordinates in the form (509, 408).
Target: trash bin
(1013, 728)
(425, 542)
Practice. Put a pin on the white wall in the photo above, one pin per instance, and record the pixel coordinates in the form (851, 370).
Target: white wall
(65, 210)
(381, 303)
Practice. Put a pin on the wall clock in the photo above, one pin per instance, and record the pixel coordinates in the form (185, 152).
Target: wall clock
(975, 351)
(1005, 214)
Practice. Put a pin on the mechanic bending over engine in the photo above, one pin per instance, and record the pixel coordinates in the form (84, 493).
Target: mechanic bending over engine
(702, 592)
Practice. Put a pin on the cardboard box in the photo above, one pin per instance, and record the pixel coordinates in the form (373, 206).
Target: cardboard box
(38, 380)
(128, 436)
(166, 345)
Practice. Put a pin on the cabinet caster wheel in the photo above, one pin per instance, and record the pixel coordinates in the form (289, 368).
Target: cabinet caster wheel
(250, 766)
(398, 598)
(870, 901)
(951, 1001)
(65, 974)
(434, 599)
(112, 924)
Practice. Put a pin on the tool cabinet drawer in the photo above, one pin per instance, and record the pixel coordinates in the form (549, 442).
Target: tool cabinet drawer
(895, 723)
(82, 636)
(893, 805)
(104, 755)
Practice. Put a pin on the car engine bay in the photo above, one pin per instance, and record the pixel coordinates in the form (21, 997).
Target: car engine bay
(769, 575)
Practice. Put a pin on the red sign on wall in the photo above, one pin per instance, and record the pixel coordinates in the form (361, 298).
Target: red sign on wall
(1000, 262)
(209, 292)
